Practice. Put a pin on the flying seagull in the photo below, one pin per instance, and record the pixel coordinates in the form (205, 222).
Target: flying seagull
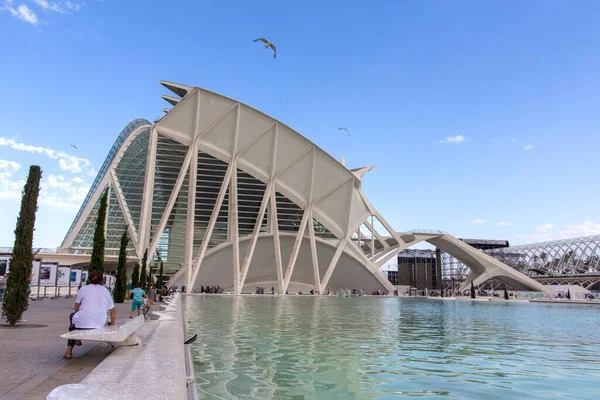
(268, 44)
(75, 147)
(344, 129)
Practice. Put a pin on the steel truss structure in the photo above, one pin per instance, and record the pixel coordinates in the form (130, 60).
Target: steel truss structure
(567, 261)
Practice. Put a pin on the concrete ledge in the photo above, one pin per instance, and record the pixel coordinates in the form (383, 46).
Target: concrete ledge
(154, 369)
(115, 333)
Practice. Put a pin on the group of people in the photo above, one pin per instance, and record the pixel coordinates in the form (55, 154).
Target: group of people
(261, 290)
(215, 289)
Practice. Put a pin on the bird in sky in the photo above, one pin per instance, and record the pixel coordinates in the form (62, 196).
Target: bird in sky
(75, 147)
(344, 129)
(268, 45)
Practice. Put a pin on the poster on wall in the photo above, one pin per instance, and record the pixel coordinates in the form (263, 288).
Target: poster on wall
(4, 265)
(83, 277)
(75, 277)
(63, 276)
(48, 274)
(35, 273)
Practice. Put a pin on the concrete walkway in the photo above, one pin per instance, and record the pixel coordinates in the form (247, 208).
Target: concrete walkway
(31, 357)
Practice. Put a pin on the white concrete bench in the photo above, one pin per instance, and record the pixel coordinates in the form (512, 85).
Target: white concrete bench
(121, 334)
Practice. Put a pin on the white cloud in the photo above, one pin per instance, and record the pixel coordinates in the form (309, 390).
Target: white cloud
(47, 6)
(74, 6)
(22, 12)
(527, 147)
(503, 224)
(92, 172)
(453, 139)
(585, 228)
(77, 179)
(10, 189)
(4, 164)
(478, 221)
(544, 227)
(66, 161)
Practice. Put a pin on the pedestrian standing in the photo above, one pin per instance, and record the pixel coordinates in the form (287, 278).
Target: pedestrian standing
(3, 285)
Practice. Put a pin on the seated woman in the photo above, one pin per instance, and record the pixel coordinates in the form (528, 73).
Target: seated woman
(91, 304)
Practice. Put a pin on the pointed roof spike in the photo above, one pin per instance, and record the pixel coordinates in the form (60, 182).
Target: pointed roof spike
(170, 99)
(177, 88)
(166, 110)
(360, 172)
(343, 161)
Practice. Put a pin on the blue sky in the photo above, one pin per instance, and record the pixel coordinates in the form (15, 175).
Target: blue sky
(482, 117)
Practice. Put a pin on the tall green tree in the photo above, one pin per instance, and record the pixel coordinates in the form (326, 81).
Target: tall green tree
(121, 282)
(135, 276)
(159, 284)
(150, 279)
(472, 290)
(15, 299)
(97, 259)
(143, 279)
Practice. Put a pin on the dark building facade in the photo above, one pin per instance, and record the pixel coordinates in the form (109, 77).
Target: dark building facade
(419, 269)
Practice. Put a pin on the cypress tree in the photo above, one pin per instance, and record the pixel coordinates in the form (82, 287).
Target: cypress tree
(15, 299)
(97, 259)
(135, 276)
(472, 290)
(121, 283)
(505, 294)
(143, 270)
(150, 279)
(159, 284)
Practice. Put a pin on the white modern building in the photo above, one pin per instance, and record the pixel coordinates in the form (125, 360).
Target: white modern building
(224, 194)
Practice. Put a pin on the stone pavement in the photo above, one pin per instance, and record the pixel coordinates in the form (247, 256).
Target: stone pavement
(31, 362)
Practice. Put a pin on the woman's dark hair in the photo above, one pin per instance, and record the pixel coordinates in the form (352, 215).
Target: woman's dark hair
(139, 284)
(96, 278)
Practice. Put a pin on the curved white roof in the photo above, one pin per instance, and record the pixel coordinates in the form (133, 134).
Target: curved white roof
(266, 148)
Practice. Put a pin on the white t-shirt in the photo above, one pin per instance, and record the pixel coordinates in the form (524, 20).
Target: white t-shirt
(94, 301)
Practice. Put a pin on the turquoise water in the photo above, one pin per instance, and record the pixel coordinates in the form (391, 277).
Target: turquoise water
(305, 347)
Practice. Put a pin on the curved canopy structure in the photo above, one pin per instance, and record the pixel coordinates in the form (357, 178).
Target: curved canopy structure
(223, 194)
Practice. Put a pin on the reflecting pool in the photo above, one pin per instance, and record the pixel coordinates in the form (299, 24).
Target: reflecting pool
(296, 347)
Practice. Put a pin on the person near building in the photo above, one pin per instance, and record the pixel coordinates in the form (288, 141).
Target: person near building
(3, 279)
(91, 304)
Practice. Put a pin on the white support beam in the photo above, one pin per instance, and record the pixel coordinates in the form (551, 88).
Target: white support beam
(313, 253)
(295, 250)
(171, 202)
(332, 264)
(125, 209)
(148, 194)
(380, 238)
(190, 228)
(385, 224)
(108, 189)
(211, 223)
(234, 232)
(388, 256)
(259, 220)
(372, 240)
(234, 236)
(276, 241)
(307, 216)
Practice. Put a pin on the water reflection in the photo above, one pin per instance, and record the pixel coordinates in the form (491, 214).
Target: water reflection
(261, 347)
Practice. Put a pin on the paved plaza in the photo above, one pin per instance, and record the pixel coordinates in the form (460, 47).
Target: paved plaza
(31, 357)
